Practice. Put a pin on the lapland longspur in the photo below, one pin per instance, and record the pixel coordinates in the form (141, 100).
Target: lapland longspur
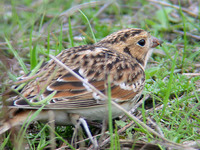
(122, 56)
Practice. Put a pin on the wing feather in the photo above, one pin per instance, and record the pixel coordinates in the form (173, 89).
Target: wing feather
(93, 64)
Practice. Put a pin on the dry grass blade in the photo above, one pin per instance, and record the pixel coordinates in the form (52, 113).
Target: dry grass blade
(128, 144)
(76, 8)
(156, 126)
(191, 74)
(176, 7)
(27, 79)
(166, 141)
(52, 125)
(19, 8)
(77, 76)
(188, 34)
(102, 9)
(194, 144)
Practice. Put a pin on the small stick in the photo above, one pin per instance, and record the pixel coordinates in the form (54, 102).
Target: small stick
(176, 7)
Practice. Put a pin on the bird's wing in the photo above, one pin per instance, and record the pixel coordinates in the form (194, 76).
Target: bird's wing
(94, 65)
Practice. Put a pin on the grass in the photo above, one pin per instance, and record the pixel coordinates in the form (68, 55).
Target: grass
(30, 31)
(110, 126)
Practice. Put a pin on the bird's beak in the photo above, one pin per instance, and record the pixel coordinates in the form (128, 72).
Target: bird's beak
(156, 42)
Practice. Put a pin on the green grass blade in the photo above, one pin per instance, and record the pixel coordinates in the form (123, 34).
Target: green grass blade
(17, 56)
(3, 144)
(42, 21)
(44, 101)
(71, 40)
(33, 72)
(12, 76)
(60, 138)
(34, 57)
(21, 134)
(117, 142)
(169, 85)
(110, 115)
(48, 45)
(184, 37)
(60, 47)
(89, 25)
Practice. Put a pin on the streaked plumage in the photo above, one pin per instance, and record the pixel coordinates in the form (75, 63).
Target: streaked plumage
(122, 56)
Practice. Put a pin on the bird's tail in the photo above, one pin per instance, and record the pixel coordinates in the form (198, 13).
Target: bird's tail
(18, 119)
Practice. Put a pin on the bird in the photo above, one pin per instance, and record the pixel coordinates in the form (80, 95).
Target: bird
(121, 56)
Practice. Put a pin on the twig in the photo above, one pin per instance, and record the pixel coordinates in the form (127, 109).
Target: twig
(176, 7)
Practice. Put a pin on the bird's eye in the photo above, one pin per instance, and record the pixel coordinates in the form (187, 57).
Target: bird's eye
(141, 42)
